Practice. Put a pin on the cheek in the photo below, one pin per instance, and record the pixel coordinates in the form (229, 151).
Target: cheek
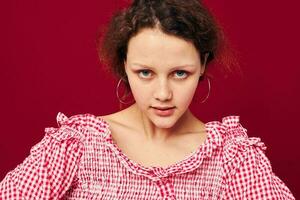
(140, 93)
(184, 95)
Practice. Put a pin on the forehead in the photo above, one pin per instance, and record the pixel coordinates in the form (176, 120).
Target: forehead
(154, 46)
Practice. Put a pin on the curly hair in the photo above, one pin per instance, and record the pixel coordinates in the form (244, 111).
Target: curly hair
(186, 19)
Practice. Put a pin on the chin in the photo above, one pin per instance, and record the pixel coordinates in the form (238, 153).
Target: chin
(164, 122)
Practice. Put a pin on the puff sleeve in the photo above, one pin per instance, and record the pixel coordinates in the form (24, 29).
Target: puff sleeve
(48, 172)
(248, 171)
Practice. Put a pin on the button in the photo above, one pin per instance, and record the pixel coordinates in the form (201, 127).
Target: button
(85, 186)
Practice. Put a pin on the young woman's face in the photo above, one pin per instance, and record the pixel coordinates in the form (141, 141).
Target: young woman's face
(163, 73)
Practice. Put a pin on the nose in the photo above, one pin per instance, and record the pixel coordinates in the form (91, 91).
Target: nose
(163, 91)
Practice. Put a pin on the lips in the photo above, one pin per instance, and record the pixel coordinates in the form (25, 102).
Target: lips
(164, 111)
(167, 108)
(163, 107)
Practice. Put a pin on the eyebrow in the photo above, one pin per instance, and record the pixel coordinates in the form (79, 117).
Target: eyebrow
(176, 67)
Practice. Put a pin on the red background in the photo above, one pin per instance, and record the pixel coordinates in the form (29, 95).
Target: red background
(49, 64)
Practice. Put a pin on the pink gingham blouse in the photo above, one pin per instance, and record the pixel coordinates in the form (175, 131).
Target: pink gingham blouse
(80, 160)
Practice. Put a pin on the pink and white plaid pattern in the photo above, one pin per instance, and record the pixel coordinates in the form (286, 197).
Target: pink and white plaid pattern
(80, 160)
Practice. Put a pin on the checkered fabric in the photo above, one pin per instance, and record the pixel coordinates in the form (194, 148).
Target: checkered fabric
(80, 160)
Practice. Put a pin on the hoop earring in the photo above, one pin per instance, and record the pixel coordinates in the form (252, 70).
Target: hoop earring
(209, 88)
(117, 93)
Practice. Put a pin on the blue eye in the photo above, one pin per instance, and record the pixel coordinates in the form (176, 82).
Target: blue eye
(181, 74)
(144, 73)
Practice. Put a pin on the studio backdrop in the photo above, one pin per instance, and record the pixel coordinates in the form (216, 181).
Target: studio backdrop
(49, 64)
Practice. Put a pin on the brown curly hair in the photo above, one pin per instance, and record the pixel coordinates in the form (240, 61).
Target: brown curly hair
(187, 19)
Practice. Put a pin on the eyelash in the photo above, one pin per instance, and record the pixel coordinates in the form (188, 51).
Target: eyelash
(145, 70)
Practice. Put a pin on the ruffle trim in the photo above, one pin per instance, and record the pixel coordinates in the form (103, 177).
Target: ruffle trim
(76, 126)
(236, 138)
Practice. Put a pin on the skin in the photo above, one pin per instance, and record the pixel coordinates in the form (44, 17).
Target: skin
(163, 70)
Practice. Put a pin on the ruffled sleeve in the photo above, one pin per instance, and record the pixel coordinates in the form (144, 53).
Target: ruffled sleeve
(48, 172)
(248, 172)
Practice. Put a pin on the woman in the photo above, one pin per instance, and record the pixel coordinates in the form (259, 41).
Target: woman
(156, 148)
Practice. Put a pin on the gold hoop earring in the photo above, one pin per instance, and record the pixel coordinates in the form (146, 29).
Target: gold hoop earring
(117, 93)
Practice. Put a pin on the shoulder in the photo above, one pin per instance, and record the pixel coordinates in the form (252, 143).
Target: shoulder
(234, 138)
(238, 150)
(77, 126)
(86, 120)
(247, 171)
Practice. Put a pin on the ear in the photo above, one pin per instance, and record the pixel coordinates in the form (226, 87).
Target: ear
(204, 63)
(125, 66)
